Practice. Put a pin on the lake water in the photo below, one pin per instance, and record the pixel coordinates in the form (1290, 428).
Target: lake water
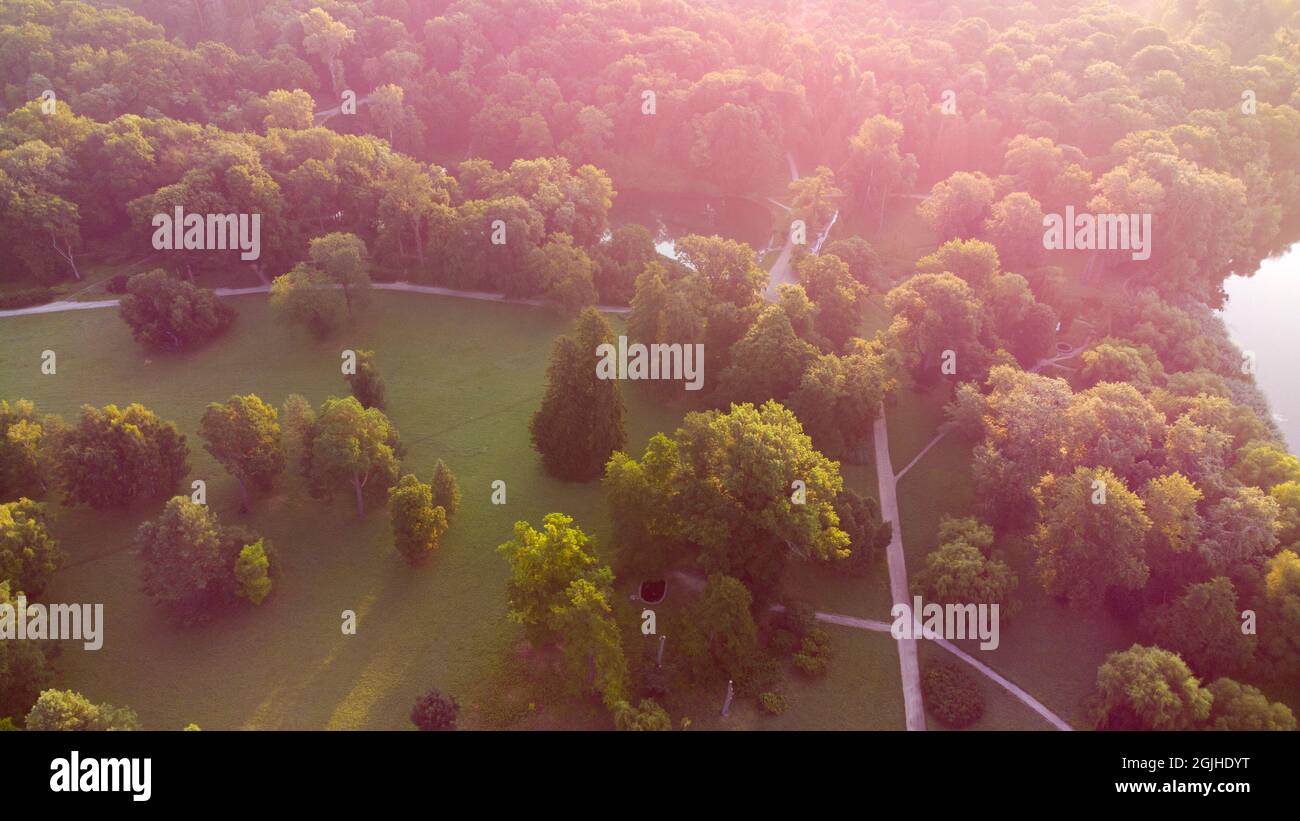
(1263, 316)
(669, 216)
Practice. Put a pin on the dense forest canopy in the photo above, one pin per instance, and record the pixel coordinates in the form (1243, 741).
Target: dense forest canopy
(1069, 103)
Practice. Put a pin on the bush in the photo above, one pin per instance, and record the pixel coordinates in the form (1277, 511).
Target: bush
(434, 711)
(648, 716)
(798, 617)
(814, 655)
(25, 298)
(117, 285)
(952, 696)
(772, 703)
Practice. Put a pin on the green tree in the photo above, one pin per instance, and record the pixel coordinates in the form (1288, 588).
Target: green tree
(768, 362)
(1084, 545)
(24, 672)
(169, 314)
(876, 166)
(863, 261)
(1015, 226)
(960, 572)
(1115, 360)
(1204, 627)
(1287, 495)
(343, 258)
(580, 422)
(838, 397)
(730, 268)
(417, 523)
(354, 446)
(972, 260)
(446, 490)
(1264, 465)
(542, 565)
(188, 559)
(868, 535)
(243, 434)
(719, 638)
(1242, 707)
(69, 710)
(1279, 641)
(28, 554)
(564, 272)
(367, 385)
(591, 642)
(253, 572)
(114, 456)
(1171, 503)
(27, 449)
(1240, 531)
(838, 296)
(934, 313)
(1147, 688)
(306, 295)
(812, 198)
(724, 488)
(957, 206)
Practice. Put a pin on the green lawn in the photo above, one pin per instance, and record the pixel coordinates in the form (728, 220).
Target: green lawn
(463, 378)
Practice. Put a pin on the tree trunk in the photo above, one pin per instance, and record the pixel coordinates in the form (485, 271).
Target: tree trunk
(419, 243)
(357, 484)
(243, 494)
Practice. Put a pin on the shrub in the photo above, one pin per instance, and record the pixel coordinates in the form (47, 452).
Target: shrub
(117, 285)
(814, 654)
(648, 716)
(951, 695)
(25, 298)
(798, 617)
(434, 711)
(771, 703)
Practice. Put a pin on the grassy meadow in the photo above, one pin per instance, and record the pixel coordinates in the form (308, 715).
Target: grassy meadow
(463, 379)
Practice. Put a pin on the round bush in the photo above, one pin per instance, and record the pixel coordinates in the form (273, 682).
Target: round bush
(951, 695)
(434, 711)
(772, 703)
